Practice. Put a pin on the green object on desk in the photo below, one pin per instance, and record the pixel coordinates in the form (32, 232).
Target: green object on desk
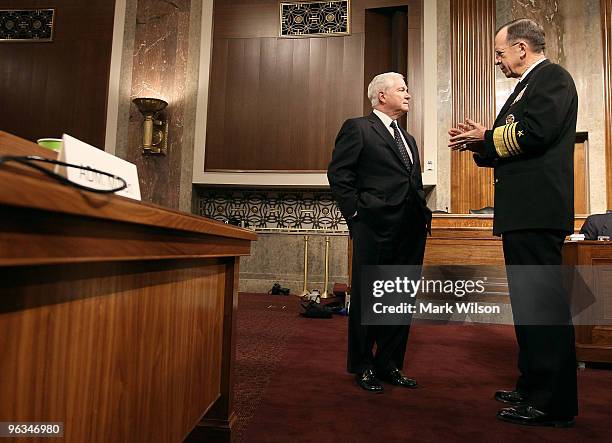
(55, 144)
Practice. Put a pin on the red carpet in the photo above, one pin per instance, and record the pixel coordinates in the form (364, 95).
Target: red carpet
(265, 323)
(304, 393)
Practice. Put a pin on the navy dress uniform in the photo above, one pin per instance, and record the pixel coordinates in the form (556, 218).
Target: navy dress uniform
(531, 147)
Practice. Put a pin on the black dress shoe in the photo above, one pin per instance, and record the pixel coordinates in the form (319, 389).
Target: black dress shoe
(528, 415)
(367, 380)
(515, 398)
(395, 377)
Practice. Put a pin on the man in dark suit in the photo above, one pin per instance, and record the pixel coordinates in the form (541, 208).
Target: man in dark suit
(375, 176)
(531, 148)
(596, 225)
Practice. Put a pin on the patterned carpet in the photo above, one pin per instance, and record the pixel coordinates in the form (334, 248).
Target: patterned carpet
(265, 324)
(291, 384)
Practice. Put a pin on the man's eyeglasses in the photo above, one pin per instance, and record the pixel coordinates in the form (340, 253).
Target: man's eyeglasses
(106, 183)
(499, 53)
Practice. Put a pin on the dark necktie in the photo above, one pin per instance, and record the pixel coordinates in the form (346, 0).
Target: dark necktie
(401, 146)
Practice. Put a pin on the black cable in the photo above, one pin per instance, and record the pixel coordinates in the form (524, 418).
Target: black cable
(30, 161)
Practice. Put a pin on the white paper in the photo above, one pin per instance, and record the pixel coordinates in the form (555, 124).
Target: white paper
(78, 153)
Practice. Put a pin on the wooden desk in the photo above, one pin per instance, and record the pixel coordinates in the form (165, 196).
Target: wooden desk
(594, 342)
(116, 317)
(467, 239)
(462, 239)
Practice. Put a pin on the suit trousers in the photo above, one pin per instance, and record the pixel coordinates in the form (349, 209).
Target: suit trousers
(542, 318)
(401, 244)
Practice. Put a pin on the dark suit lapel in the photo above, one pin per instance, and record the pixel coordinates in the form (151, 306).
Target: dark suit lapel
(380, 129)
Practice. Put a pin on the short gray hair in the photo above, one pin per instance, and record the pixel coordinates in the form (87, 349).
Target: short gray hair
(381, 83)
(528, 30)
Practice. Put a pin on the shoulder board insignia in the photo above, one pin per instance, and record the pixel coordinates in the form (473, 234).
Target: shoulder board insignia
(510, 119)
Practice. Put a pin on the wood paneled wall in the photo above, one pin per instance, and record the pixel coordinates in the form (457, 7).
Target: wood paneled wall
(61, 86)
(473, 88)
(581, 174)
(379, 44)
(386, 47)
(278, 103)
(606, 32)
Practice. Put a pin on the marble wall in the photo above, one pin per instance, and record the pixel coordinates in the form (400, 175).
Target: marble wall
(282, 218)
(583, 54)
(279, 257)
(440, 197)
(161, 58)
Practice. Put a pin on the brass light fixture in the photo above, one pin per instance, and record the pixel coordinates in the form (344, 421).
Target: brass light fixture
(155, 126)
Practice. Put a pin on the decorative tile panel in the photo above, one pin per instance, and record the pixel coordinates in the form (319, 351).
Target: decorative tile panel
(31, 25)
(314, 18)
(291, 209)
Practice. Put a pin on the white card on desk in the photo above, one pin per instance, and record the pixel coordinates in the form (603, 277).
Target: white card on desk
(78, 153)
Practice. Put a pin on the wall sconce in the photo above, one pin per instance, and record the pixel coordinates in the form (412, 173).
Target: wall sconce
(155, 137)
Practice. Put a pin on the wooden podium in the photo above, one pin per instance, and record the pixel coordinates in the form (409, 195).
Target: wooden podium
(594, 342)
(117, 317)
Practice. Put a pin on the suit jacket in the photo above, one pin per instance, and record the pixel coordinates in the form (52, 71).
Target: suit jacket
(596, 225)
(531, 147)
(367, 174)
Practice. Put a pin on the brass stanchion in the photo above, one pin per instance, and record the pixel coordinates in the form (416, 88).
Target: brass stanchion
(305, 290)
(325, 294)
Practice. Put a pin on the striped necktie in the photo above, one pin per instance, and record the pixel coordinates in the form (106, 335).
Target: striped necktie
(401, 146)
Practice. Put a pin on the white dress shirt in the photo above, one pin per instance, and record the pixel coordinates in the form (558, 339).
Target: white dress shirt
(531, 69)
(387, 122)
